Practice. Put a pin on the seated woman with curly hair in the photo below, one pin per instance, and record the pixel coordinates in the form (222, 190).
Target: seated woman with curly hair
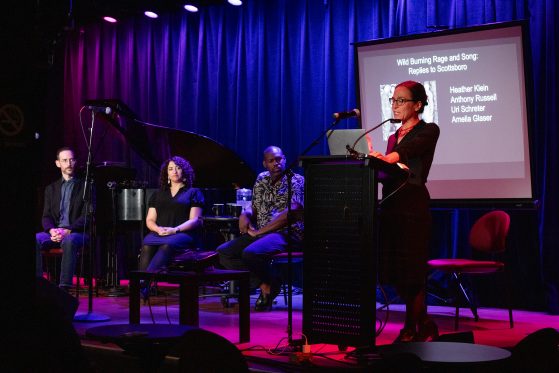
(173, 216)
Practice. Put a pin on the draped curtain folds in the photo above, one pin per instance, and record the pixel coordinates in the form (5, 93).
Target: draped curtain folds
(273, 71)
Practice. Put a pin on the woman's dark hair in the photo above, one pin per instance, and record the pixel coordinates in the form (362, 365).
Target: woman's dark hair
(187, 172)
(418, 92)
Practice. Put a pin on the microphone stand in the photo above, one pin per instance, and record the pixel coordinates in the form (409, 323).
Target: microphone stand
(294, 345)
(90, 316)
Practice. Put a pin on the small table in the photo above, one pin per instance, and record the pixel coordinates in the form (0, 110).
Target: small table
(228, 226)
(189, 283)
(448, 353)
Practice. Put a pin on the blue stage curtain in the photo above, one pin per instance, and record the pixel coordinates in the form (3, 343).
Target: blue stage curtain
(274, 71)
(544, 16)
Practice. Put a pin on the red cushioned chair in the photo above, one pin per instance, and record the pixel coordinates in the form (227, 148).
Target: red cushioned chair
(487, 235)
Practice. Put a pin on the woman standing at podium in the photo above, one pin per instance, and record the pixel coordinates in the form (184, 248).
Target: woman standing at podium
(173, 215)
(405, 218)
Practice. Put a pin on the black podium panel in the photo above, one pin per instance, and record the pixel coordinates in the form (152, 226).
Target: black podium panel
(339, 272)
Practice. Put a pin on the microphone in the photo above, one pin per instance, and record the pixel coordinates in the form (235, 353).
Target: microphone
(100, 109)
(347, 114)
(353, 152)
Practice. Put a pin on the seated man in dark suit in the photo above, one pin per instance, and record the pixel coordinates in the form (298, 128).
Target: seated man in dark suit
(64, 218)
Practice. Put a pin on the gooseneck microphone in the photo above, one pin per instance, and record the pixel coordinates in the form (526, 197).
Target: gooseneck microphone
(100, 109)
(352, 150)
(347, 114)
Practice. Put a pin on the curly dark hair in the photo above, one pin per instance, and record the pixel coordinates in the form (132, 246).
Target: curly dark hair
(418, 92)
(187, 172)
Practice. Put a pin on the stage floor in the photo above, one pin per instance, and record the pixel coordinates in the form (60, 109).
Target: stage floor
(268, 329)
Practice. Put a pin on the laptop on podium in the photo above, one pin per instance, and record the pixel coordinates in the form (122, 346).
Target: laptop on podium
(339, 139)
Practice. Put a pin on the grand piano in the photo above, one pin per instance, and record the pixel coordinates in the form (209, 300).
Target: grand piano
(215, 165)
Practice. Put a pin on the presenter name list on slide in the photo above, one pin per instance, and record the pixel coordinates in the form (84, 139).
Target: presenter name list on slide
(470, 99)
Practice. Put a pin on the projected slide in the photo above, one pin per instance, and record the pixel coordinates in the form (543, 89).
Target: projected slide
(477, 95)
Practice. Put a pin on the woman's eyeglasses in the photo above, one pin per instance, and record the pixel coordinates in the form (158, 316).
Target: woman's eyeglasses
(398, 101)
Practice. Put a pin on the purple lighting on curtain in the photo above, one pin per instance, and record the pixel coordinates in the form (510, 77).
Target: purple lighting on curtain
(150, 14)
(109, 19)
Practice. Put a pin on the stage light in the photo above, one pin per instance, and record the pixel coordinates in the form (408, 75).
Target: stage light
(109, 19)
(150, 14)
(235, 2)
(191, 8)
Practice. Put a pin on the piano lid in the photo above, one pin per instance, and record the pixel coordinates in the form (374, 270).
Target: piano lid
(216, 166)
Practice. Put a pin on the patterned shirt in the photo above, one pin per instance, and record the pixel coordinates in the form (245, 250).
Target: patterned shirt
(271, 199)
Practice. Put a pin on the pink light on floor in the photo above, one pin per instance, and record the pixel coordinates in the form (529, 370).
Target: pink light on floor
(109, 19)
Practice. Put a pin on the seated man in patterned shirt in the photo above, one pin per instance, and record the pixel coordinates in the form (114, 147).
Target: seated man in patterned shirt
(264, 230)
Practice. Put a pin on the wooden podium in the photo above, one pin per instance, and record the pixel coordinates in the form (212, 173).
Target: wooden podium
(340, 246)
